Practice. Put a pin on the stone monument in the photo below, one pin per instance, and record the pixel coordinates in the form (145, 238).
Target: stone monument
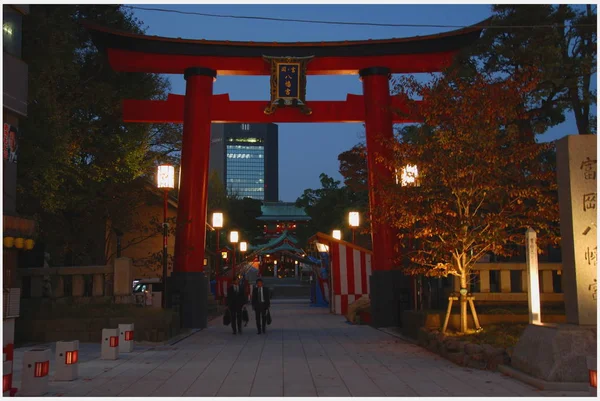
(557, 353)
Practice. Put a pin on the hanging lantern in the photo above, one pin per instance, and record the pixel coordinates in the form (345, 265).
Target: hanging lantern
(19, 243)
(9, 242)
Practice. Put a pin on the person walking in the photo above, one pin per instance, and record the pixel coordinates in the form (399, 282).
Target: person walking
(236, 299)
(261, 303)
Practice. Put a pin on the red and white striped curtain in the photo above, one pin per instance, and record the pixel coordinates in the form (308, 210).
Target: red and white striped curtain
(350, 271)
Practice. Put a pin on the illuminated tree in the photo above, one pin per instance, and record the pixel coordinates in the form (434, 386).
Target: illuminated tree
(479, 185)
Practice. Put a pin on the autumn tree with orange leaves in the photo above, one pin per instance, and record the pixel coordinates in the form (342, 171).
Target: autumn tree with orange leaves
(479, 185)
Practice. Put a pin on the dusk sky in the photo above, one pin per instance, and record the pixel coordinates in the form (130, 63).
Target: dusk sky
(307, 150)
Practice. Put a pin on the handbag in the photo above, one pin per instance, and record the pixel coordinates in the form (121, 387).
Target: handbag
(269, 316)
(245, 316)
(227, 318)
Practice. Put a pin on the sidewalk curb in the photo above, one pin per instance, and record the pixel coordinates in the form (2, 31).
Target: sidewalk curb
(391, 332)
(540, 383)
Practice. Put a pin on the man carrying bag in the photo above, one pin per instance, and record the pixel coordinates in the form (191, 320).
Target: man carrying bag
(236, 299)
(261, 303)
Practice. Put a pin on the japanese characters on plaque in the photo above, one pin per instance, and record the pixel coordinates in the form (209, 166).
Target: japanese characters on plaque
(288, 83)
(578, 198)
(288, 80)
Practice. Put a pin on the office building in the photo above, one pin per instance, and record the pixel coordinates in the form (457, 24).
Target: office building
(246, 158)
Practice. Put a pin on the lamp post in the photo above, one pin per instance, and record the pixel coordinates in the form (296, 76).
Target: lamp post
(337, 234)
(409, 177)
(354, 220)
(243, 248)
(165, 179)
(217, 222)
(234, 237)
(275, 268)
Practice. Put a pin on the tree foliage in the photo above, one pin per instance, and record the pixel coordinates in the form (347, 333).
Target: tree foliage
(83, 164)
(328, 208)
(353, 167)
(562, 49)
(480, 185)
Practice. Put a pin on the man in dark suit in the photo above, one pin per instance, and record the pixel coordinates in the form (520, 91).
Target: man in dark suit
(236, 299)
(261, 302)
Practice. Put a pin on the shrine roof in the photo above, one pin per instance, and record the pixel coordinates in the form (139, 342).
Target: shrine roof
(108, 38)
(282, 211)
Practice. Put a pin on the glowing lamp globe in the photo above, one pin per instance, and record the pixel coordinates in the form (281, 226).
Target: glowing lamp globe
(217, 220)
(354, 219)
(165, 177)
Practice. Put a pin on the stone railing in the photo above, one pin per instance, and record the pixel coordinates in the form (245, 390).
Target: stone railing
(75, 281)
(507, 282)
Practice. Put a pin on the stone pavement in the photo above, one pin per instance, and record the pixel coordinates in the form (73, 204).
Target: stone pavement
(306, 352)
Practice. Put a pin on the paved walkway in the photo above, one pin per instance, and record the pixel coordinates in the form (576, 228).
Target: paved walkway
(306, 352)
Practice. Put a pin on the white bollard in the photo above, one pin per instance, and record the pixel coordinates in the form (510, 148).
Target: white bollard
(67, 360)
(6, 377)
(593, 372)
(110, 344)
(34, 376)
(126, 337)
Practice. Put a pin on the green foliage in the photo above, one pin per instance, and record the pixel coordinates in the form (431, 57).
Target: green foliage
(328, 208)
(353, 167)
(82, 167)
(562, 50)
(217, 195)
(242, 214)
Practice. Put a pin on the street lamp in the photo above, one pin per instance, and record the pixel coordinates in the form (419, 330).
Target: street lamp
(275, 268)
(354, 220)
(234, 237)
(165, 179)
(337, 234)
(217, 222)
(243, 248)
(409, 176)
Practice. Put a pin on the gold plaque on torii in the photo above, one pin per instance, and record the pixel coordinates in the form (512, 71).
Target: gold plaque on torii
(288, 83)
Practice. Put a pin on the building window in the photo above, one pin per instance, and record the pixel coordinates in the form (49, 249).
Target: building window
(245, 127)
(246, 171)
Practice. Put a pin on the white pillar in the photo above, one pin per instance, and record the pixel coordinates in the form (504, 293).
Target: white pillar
(533, 293)
(67, 361)
(110, 344)
(126, 337)
(592, 366)
(34, 375)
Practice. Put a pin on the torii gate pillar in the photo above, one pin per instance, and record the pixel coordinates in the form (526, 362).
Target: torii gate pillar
(189, 282)
(389, 290)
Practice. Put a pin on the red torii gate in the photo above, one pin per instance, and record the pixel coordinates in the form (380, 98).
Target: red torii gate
(201, 60)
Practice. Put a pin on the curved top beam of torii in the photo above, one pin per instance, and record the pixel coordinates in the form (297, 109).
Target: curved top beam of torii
(154, 54)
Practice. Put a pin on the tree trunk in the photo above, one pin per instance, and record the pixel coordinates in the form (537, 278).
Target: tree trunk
(463, 303)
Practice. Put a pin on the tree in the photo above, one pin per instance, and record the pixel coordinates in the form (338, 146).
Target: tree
(83, 164)
(242, 214)
(328, 207)
(353, 167)
(480, 186)
(562, 48)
